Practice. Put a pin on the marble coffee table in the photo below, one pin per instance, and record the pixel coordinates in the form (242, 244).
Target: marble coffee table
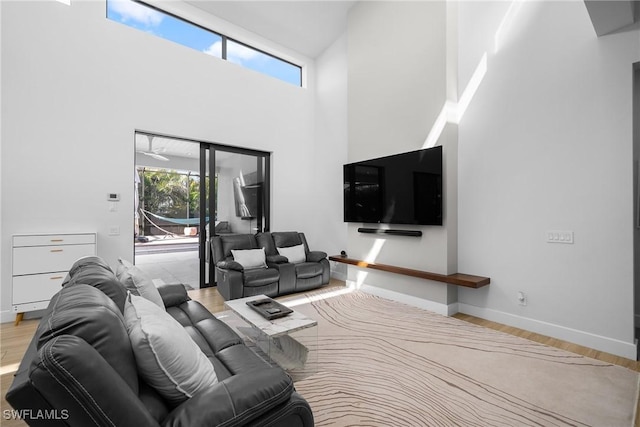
(289, 341)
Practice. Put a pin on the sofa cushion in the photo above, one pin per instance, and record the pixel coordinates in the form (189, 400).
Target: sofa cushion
(260, 277)
(250, 258)
(306, 270)
(240, 359)
(295, 254)
(138, 282)
(208, 332)
(168, 359)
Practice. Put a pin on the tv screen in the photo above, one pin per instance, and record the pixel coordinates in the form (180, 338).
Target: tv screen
(400, 189)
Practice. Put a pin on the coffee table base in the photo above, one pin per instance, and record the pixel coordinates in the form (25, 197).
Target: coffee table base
(285, 351)
(296, 353)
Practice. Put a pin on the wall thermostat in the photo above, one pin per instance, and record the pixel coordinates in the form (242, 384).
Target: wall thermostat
(113, 197)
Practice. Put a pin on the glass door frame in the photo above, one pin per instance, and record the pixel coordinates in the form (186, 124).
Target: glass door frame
(208, 200)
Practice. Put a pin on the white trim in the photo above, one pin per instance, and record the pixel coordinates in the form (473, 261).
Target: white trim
(7, 316)
(338, 275)
(597, 342)
(436, 307)
(587, 339)
(453, 309)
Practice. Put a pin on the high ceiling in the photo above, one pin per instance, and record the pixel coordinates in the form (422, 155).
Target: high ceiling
(307, 27)
(310, 26)
(610, 16)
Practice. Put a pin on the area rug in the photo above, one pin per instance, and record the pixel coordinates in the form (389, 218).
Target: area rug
(383, 363)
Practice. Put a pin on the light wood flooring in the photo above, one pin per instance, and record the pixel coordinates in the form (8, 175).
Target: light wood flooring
(14, 341)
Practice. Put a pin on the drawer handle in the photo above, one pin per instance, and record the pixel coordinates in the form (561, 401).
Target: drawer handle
(55, 278)
(57, 250)
(57, 240)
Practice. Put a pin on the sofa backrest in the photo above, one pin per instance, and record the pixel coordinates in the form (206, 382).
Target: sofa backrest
(271, 241)
(94, 271)
(222, 245)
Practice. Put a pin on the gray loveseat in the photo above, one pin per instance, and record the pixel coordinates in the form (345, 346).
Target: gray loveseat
(277, 274)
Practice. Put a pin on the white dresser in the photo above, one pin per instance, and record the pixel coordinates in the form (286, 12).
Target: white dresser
(40, 264)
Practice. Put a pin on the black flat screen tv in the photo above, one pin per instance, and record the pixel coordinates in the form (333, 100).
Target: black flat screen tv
(399, 189)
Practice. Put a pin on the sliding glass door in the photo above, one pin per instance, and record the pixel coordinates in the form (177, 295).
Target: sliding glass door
(189, 191)
(239, 197)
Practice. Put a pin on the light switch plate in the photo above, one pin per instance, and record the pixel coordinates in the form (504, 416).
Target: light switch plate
(556, 236)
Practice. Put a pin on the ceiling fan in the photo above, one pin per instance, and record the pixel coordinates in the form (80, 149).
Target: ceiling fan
(153, 153)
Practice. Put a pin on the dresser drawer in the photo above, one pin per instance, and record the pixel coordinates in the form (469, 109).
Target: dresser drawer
(36, 287)
(48, 259)
(54, 239)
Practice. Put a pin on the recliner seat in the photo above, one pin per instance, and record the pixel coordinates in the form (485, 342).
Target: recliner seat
(312, 273)
(234, 281)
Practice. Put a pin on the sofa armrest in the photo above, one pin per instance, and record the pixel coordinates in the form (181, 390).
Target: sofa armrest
(238, 400)
(316, 256)
(230, 283)
(173, 294)
(230, 265)
(276, 259)
(64, 374)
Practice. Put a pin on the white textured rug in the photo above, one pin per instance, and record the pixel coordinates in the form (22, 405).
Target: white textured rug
(383, 363)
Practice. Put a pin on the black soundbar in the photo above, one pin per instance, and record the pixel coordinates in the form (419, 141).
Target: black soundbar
(410, 233)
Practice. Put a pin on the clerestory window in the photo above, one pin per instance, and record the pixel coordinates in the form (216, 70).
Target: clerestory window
(162, 24)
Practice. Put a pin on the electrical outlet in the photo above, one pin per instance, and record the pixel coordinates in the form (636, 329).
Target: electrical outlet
(522, 298)
(114, 230)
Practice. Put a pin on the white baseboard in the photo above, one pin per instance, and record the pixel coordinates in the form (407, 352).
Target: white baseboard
(587, 339)
(339, 276)
(7, 316)
(597, 342)
(436, 307)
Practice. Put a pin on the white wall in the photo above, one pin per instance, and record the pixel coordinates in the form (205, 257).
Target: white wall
(76, 86)
(397, 88)
(326, 230)
(546, 144)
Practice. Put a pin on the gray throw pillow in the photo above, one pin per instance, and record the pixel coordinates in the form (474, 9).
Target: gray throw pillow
(166, 356)
(250, 258)
(295, 254)
(138, 282)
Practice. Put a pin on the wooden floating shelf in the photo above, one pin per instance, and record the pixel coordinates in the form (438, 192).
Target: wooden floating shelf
(466, 280)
